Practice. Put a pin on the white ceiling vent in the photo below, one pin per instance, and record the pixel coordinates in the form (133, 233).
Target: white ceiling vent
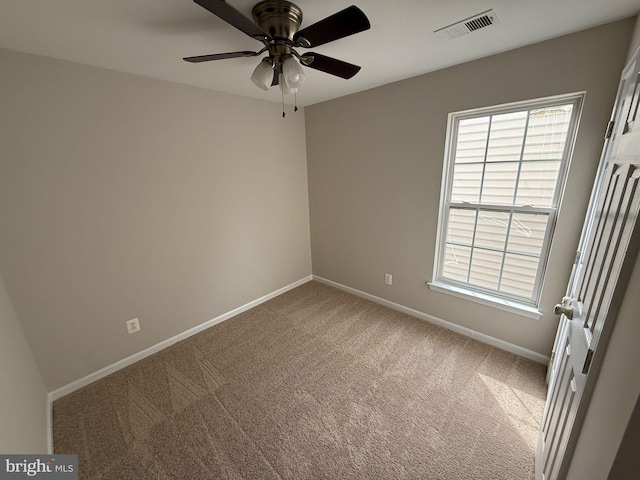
(471, 24)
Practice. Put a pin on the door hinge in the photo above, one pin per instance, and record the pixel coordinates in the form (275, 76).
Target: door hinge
(577, 259)
(587, 362)
(609, 132)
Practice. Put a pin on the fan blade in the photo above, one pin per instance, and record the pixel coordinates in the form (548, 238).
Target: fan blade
(233, 17)
(339, 25)
(331, 65)
(219, 56)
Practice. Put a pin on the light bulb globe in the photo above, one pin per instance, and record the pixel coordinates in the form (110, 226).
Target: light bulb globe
(262, 75)
(292, 72)
(286, 89)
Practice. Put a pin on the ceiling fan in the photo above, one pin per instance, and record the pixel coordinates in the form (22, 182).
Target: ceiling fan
(276, 24)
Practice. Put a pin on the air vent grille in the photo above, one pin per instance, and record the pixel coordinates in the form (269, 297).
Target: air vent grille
(468, 25)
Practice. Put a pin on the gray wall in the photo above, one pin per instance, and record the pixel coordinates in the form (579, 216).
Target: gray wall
(627, 462)
(22, 392)
(375, 163)
(123, 196)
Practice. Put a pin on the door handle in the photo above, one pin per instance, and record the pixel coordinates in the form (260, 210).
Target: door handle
(565, 308)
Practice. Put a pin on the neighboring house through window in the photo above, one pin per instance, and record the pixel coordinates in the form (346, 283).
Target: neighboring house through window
(504, 172)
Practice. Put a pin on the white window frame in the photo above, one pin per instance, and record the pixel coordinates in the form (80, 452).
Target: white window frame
(501, 300)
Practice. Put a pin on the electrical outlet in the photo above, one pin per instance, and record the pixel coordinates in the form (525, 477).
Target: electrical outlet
(133, 326)
(388, 278)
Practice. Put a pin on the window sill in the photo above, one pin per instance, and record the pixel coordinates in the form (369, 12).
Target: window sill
(499, 303)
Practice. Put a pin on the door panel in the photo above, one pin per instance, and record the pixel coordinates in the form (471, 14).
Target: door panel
(608, 247)
(554, 433)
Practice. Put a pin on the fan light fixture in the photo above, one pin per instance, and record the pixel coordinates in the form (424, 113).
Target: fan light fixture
(291, 75)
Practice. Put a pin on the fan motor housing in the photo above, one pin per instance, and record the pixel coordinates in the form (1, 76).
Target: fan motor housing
(279, 18)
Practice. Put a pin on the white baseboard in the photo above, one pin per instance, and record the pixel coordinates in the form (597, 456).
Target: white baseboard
(125, 362)
(496, 342)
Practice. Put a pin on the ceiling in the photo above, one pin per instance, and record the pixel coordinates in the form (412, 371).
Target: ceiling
(150, 37)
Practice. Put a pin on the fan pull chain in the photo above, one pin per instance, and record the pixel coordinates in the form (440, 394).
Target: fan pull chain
(282, 94)
(295, 100)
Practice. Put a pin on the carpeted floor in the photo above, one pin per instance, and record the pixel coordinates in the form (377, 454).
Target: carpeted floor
(313, 384)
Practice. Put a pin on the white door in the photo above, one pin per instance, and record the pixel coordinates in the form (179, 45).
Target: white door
(606, 254)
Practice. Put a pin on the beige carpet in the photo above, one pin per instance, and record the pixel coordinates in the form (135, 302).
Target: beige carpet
(314, 384)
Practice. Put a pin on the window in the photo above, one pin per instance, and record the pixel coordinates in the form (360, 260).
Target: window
(503, 177)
